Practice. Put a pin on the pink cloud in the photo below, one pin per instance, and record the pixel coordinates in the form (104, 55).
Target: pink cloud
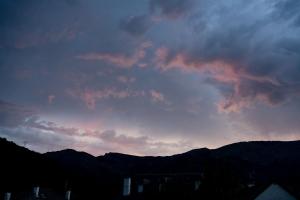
(90, 97)
(245, 95)
(246, 88)
(119, 59)
(219, 69)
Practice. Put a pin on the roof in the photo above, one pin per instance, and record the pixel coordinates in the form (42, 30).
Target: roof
(275, 192)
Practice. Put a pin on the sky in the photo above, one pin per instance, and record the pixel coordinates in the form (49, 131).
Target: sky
(148, 77)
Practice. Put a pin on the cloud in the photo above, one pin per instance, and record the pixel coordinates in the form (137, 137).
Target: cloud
(51, 98)
(118, 59)
(23, 126)
(90, 97)
(205, 61)
(136, 25)
(250, 55)
(288, 10)
(274, 121)
(23, 74)
(37, 139)
(37, 123)
(171, 8)
(139, 145)
(247, 86)
(42, 135)
(125, 79)
(157, 96)
(22, 31)
(13, 115)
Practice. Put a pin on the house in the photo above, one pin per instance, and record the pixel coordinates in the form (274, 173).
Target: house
(42, 193)
(275, 192)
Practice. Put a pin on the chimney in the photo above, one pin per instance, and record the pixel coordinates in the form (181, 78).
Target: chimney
(36, 191)
(7, 196)
(160, 186)
(197, 185)
(126, 186)
(68, 195)
(140, 188)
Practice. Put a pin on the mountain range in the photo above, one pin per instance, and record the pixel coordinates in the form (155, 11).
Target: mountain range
(236, 171)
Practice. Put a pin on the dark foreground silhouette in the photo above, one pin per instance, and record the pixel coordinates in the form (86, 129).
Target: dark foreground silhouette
(236, 171)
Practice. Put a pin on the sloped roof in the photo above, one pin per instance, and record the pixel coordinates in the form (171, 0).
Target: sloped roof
(275, 192)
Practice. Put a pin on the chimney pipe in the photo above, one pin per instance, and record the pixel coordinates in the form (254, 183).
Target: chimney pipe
(160, 186)
(7, 196)
(36, 191)
(197, 185)
(68, 195)
(126, 186)
(140, 188)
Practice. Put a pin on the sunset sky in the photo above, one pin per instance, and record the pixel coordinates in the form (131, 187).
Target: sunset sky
(148, 77)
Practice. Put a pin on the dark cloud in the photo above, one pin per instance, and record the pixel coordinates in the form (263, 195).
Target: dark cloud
(288, 10)
(243, 55)
(33, 23)
(171, 8)
(136, 25)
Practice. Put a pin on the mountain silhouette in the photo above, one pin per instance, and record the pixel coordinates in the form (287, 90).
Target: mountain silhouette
(235, 171)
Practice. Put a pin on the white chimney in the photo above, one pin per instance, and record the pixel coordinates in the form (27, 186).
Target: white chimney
(140, 188)
(68, 195)
(126, 186)
(36, 191)
(7, 196)
(197, 185)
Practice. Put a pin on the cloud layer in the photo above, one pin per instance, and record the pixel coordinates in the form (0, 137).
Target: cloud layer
(165, 74)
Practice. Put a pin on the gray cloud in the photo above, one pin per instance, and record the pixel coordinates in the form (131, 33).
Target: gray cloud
(20, 30)
(183, 61)
(288, 10)
(251, 53)
(13, 115)
(171, 8)
(272, 122)
(136, 25)
(26, 128)
(40, 137)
